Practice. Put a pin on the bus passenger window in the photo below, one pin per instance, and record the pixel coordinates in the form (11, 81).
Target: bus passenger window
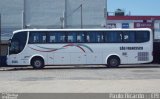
(72, 37)
(80, 37)
(91, 37)
(52, 39)
(88, 38)
(37, 37)
(128, 37)
(142, 36)
(44, 39)
(60, 37)
(113, 37)
(98, 37)
(95, 37)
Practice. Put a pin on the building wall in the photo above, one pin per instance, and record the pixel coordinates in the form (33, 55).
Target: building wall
(11, 17)
(11, 12)
(44, 13)
(92, 10)
(157, 29)
(4, 49)
(47, 14)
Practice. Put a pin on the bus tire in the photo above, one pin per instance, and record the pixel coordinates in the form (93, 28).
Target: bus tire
(37, 63)
(113, 62)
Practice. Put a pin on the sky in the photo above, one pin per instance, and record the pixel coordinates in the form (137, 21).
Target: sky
(136, 7)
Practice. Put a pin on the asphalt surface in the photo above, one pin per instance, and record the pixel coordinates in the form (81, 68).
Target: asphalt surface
(81, 79)
(91, 72)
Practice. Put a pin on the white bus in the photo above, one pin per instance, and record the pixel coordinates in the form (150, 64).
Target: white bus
(110, 47)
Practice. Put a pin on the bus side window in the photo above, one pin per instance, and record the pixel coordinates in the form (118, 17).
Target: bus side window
(80, 37)
(61, 37)
(33, 38)
(44, 38)
(105, 37)
(37, 37)
(51, 37)
(129, 37)
(98, 37)
(142, 36)
(88, 39)
(91, 37)
(72, 36)
(113, 37)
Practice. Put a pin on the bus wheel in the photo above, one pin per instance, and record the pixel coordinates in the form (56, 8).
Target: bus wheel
(113, 62)
(37, 63)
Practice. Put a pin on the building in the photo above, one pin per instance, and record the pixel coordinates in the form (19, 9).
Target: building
(18, 14)
(127, 21)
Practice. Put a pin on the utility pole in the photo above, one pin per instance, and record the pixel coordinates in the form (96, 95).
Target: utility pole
(24, 14)
(153, 29)
(65, 14)
(81, 16)
(106, 13)
(23, 20)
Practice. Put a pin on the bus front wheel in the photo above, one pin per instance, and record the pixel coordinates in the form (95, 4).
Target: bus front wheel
(37, 63)
(113, 62)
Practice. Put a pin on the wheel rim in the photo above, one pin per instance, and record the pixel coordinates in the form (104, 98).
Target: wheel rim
(37, 63)
(114, 62)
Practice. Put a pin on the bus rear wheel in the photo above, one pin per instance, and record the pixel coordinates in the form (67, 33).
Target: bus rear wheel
(113, 62)
(37, 63)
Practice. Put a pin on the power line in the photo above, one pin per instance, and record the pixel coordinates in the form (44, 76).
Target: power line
(76, 9)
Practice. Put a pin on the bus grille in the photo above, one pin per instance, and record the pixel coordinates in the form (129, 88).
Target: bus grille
(143, 56)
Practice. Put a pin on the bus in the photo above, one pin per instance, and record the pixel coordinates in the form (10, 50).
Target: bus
(55, 47)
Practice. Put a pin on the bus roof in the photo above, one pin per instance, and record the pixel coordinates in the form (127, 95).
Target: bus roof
(114, 29)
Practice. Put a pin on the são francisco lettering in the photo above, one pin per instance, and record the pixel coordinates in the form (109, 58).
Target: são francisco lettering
(131, 48)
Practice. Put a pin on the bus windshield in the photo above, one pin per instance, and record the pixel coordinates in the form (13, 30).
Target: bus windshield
(17, 43)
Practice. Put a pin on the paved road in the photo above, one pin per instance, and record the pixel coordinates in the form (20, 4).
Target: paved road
(135, 78)
(134, 72)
